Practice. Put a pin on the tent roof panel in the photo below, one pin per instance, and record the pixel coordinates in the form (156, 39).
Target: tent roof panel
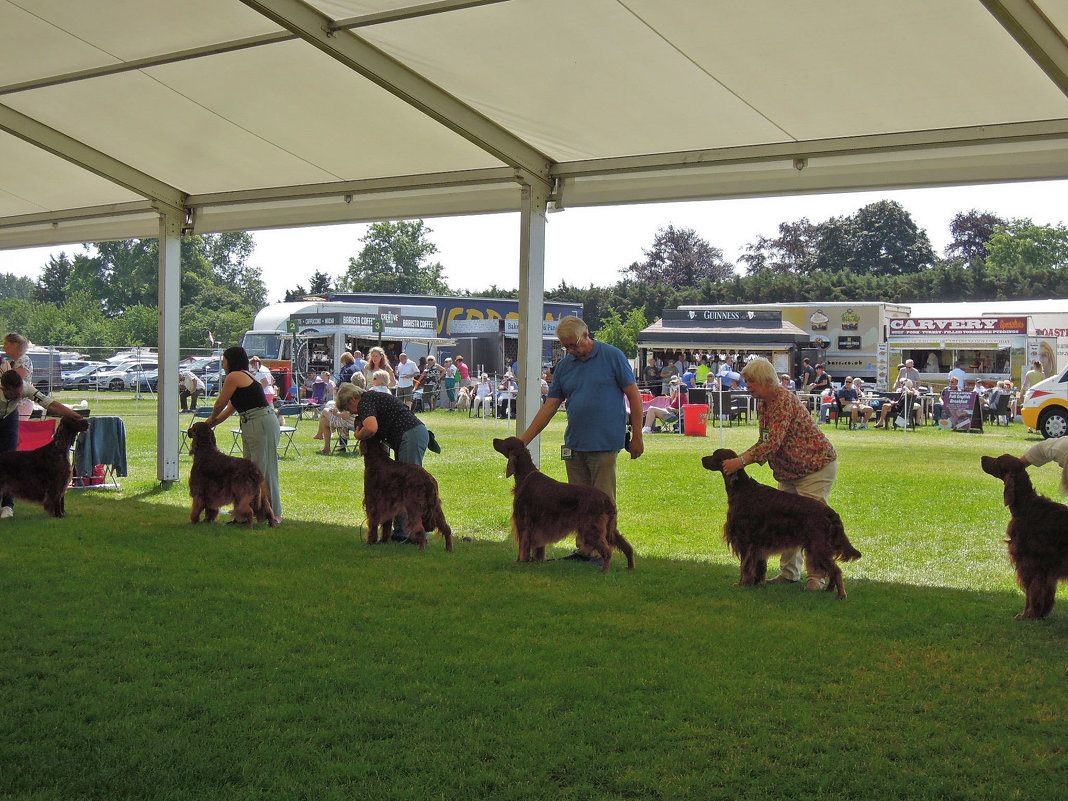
(34, 181)
(124, 30)
(343, 139)
(572, 94)
(925, 65)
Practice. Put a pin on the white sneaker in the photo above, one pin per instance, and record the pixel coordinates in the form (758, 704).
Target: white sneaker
(6, 511)
(647, 430)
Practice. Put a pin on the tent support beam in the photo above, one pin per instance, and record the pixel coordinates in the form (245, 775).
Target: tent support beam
(170, 256)
(1015, 132)
(1033, 32)
(535, 200)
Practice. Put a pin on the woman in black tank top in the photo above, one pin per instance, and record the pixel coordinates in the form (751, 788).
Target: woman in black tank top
(242, 393)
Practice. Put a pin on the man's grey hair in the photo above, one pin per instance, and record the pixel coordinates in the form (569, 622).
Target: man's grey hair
(571, 327)
(760, 371)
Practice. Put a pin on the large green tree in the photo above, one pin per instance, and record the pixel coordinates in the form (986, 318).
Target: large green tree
(1027, 261)
(396, 259)
(794, 250)
(679, 257)
(880, 238)
(16, 286)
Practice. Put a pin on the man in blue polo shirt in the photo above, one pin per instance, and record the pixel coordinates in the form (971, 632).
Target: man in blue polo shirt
(593, 378)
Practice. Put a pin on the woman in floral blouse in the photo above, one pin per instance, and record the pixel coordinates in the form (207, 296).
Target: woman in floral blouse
(802, 459)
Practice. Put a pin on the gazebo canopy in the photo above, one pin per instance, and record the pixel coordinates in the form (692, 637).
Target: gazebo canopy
(245, 114)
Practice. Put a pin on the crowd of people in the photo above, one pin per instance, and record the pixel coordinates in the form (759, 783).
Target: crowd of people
(670, 376)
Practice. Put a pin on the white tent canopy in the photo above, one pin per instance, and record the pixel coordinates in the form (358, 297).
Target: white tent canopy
(123, 118)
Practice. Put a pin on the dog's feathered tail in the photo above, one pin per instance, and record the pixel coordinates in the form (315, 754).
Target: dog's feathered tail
(261, 506)
(843, 548)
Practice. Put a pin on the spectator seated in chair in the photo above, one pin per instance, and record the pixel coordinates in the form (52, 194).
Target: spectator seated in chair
(331, 419)
(993, 406)
(668, 413)
(483, 399)
(507, 391)
(849, 403)
(890, 411)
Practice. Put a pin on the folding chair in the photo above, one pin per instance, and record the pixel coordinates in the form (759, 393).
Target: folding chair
(199, 414)
(287, 410)
(34, 434)
(315, 404)
(103, 445)
(721, 408)
(839, 412)
(339, 433)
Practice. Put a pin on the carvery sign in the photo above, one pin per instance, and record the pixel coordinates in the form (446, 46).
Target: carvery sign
(925, 326)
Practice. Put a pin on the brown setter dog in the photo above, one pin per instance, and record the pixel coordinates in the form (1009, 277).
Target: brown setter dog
(217, 479)
(763, 520)
(1038, 535)
(43, 474)
(545, 510)
(391, 487)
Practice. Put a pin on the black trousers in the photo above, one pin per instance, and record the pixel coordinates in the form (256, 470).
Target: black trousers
(9, 441)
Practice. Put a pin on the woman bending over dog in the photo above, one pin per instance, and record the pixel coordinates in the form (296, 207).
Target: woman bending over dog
(242, 393)
(385, 420)
(802, 459)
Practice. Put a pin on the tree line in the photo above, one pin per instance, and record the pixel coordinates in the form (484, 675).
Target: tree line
(876, 254)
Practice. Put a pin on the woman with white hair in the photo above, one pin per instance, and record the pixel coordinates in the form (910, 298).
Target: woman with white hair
(801, 458)
(483, 396)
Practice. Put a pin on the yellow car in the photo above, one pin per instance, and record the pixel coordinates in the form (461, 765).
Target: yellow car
(1045, 406)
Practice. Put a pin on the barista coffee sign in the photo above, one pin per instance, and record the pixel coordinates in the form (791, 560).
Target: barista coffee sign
(925, 326)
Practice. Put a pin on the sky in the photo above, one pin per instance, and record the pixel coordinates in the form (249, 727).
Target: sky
(591, 245)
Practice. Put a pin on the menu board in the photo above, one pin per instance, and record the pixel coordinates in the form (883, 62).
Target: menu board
(961, 411)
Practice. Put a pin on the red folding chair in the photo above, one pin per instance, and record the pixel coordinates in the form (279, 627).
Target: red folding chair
(36, 433)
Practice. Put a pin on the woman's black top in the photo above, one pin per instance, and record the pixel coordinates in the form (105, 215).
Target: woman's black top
(393, 417)
(250, 397)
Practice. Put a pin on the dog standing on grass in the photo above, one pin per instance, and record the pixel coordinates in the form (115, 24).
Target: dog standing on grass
(1038, 535)
(545, 510)
(43, 474)
(391, 487)
(217, 479)
(763, 520)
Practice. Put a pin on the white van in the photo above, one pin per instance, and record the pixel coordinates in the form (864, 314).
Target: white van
(1045, 406)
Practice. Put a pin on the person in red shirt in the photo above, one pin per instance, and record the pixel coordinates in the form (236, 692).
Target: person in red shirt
(464, 371)
(802, 459)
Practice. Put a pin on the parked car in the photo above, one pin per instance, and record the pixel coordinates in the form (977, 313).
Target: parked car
(47, 376)
(123, 376)
(148, 381)
(82, 378)
(1045, 406)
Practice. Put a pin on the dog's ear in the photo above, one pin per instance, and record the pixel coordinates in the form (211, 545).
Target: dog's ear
(510, 470)
(1010, 487)
(731, 479)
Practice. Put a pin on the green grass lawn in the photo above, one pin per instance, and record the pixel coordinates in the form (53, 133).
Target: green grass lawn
(145, 658)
